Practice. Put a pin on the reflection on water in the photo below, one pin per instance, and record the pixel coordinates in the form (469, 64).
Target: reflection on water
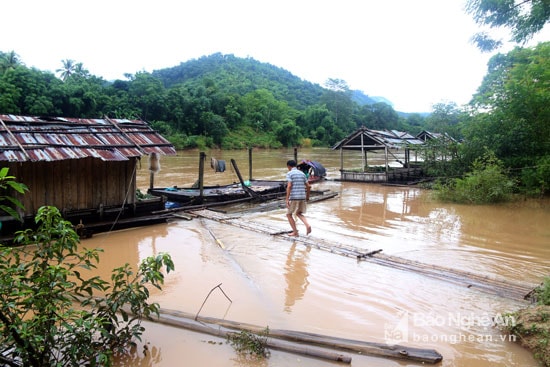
(296, 275)
(283, 284)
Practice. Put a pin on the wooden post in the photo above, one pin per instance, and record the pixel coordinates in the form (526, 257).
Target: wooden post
(202, 157)
(248, 190)
(250, 164)
(296, 154)
(341, 163)
(154, 166)
(387, 167)
(363, 162)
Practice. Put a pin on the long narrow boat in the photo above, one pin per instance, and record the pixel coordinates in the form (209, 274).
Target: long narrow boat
(259, 189)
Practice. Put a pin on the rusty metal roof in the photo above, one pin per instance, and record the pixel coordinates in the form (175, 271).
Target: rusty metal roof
(26, 138)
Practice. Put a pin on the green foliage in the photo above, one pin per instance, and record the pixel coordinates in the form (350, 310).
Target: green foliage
(523, 18)
(542, 293)
(536, 179)
(199, 141)
(7, 183)
(511, 115)
(210, 97)
(531, 326)
(442, 157)
(247, 137)
(486, 183)
(250, 344)
(445, 118)
(55, 312)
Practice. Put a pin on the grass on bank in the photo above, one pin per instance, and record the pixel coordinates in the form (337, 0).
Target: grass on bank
(532, 325)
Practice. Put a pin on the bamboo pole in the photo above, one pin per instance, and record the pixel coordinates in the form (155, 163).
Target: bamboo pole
(201, 327)
(306, 343)
(202, 157)
(505, 288)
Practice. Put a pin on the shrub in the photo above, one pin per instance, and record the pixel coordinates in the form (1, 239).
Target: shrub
(486, 183)
(49, 312)
(250, 344)
(536, 180)
(8, 202)
(543, 292)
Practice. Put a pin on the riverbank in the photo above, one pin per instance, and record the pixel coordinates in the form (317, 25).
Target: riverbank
(532, 324)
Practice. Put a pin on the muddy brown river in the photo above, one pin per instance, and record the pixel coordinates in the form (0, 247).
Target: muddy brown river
(279, 283)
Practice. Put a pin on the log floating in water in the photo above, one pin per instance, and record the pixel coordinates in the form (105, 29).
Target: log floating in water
(306, 341)
(186, 323)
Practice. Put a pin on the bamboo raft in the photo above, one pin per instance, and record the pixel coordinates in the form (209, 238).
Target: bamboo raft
(504, 288)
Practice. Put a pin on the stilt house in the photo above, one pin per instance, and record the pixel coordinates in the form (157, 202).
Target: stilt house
(84, 167)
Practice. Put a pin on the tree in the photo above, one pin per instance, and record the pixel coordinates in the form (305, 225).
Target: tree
(524, 18)
(317, 122)
(49, 312)
(384, 116)
(445, 118)
(29, 91)
(148, 94)
(511, 111)
(338, 100)
(214, 126)
(68, 69)
(288, 133)
(8, 61)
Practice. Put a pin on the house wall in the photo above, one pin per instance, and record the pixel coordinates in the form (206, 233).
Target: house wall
(400, 174)
(76, 184)
(362, 176)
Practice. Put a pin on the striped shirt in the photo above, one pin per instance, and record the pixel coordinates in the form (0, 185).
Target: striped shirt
(298, 180)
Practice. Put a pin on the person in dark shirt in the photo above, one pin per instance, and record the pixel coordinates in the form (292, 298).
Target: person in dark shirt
(297, 193)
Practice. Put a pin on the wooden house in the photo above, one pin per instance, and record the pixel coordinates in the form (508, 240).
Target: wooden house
(365, 140)
(84, 167)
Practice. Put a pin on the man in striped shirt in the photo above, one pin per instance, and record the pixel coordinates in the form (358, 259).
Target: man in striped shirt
(297, 192)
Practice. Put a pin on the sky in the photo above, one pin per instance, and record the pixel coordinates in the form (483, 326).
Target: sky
(415, 53)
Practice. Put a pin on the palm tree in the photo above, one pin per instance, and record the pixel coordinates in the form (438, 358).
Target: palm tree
(80, 71)
(68, 69)
(8, 61)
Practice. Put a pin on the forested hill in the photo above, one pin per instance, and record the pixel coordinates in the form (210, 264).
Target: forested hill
(239, 76)
(217, 100)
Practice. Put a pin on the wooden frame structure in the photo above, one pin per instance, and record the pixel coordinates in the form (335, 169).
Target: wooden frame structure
(367, 140)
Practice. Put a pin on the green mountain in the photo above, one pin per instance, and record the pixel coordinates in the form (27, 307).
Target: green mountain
(234, 75)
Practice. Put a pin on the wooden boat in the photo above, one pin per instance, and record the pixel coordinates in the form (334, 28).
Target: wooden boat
(235, 192)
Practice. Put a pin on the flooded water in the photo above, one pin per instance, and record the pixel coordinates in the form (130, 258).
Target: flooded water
(282, 284)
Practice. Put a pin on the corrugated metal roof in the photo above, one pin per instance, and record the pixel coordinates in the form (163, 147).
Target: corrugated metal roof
(27, 138)
(368, 139)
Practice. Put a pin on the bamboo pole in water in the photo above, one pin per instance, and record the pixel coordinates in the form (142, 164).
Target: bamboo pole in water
(185, 323)
(299, 342)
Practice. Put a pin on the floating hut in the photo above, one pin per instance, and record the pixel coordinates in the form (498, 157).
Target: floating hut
(84, 167)
(366, 140)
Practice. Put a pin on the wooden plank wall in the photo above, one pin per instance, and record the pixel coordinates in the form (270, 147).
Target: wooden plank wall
(76, 184)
